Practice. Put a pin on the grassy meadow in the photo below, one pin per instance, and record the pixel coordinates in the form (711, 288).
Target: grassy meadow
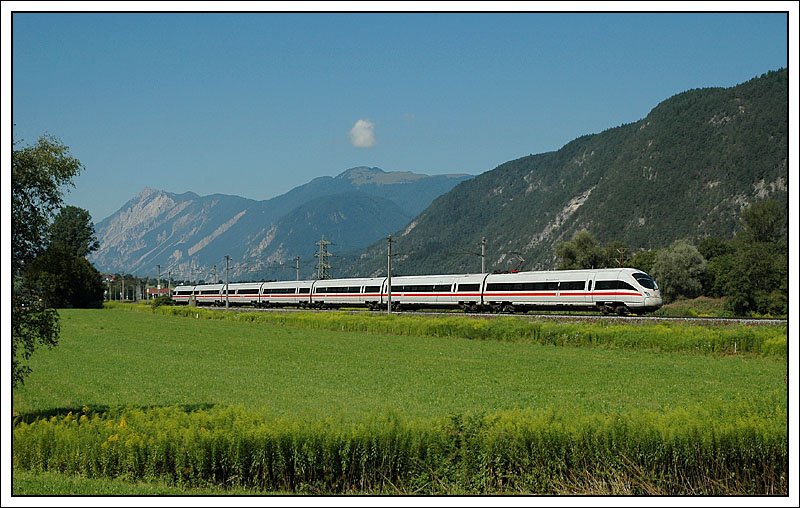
(338, 403)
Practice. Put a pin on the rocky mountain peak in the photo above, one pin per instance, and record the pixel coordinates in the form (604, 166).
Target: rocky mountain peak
(146, 193)
(363, 175)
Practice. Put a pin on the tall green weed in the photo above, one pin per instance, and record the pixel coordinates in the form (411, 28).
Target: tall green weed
(530, 451)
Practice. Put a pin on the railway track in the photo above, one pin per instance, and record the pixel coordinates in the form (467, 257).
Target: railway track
(550, 316)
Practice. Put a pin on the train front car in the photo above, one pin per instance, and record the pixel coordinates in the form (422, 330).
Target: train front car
(617, 290)
(625, 290)
(647, 285)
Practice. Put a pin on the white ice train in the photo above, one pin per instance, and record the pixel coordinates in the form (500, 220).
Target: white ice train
(620, 290)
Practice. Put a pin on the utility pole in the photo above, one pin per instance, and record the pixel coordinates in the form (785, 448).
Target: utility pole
(297, 267)
(158, 285)
(323, 266)
(214, 271)
(483, 254)
(621, 260)
(389, 277)
(169, 283)
(227, 300)
(123, 287)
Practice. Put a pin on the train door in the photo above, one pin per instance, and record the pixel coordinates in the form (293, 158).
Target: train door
(588, 299)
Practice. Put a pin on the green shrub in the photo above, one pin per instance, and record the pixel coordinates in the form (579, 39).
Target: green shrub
(161, 300)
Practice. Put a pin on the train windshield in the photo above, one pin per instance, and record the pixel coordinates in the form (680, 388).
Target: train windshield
(645, 280)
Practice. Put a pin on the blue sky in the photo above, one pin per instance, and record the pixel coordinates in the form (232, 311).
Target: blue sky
(255, 104)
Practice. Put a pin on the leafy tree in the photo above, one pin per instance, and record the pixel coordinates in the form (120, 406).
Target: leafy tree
(754, 284)
(754, 277)
(763, 222)
(718, 270)
(38, 174)
(679, 270)
(643, 260)
(713, 247)
(62, 274)
(32, 325)
(583, 251)
(66, 280)
(73, 230)
(719, 256)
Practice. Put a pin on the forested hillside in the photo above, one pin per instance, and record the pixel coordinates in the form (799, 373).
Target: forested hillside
(687, 170)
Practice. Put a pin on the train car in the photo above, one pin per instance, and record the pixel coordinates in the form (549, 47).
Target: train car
(621, 290)
(363, 292)
(210, 294)
(244, 293)
(285, 293)
(437, 291)
(182, 294)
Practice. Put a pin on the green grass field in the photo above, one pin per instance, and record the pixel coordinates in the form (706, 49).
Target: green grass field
(279, 372)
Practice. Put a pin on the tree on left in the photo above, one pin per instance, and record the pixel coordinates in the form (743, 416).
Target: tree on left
(39, 174)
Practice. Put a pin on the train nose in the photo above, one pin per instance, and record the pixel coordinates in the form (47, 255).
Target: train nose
(653, 300)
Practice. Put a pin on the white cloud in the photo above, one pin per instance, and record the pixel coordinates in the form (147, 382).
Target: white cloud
(362, 135)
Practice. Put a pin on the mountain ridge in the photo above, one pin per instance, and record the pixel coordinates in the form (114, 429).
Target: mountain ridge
(190, 233)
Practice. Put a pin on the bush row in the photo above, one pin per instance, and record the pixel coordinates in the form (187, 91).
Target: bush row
(770, 340)
(525, 451)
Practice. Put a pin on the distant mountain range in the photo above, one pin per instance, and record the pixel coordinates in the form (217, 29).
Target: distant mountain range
(684, 171)
(187, 234)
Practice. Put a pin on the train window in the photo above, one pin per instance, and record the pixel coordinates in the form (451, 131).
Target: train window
(571, 286)
(522, 286)
(443, 288)
(468, 287)
(279, 291)
(645, 280)
(247, 291)
(499, 286)
(613, 284)
(339, 289)
(372, 289)
(305, 291)
(209, 292)
(418, 288)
